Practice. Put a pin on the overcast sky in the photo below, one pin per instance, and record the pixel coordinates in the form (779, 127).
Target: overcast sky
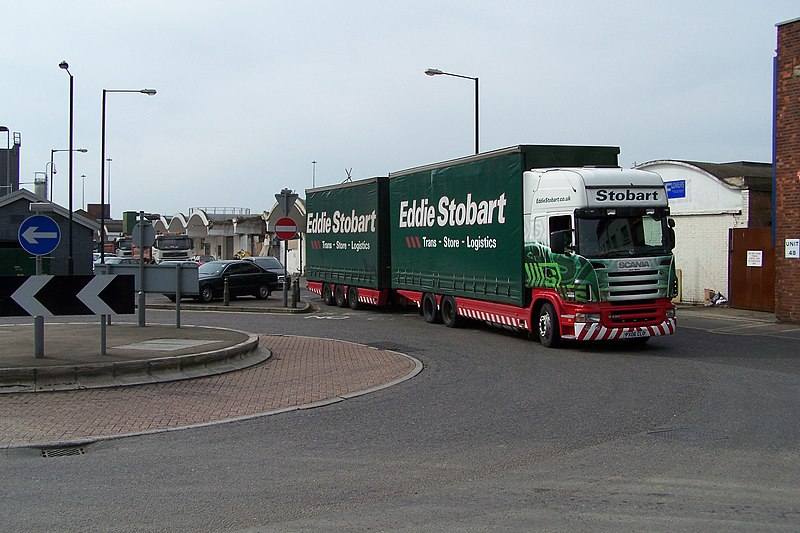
(251, 92)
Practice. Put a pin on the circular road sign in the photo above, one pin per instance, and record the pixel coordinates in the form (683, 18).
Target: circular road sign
(285, 228)
(39, 235)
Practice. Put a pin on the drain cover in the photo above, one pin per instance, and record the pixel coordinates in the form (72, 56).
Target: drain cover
(63, 452)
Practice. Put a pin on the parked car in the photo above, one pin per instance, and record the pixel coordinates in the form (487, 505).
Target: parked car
(270, 264)
(202, 259)
(244, 279)
(114, 260)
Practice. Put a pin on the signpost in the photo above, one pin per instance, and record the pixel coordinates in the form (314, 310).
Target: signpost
(286, 230)
(39, 235)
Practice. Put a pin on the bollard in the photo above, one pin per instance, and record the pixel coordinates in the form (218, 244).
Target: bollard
(226, 295)
(295, 292)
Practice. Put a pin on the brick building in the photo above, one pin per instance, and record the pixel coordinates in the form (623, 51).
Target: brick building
(787, 172)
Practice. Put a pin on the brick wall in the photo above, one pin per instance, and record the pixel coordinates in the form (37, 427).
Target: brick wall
(787, 170)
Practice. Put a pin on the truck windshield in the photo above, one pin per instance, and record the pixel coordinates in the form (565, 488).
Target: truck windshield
(172, 243)
(622, 236)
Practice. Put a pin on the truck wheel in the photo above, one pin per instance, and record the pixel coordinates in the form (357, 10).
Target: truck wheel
(340, 296)
(352, 297)
(449, 312)
(430, 310)
(549, 335)
(327, 294)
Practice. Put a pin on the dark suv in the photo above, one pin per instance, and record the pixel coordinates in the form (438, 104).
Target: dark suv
(270, 264)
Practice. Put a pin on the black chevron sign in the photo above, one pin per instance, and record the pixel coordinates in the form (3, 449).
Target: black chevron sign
(67, 295)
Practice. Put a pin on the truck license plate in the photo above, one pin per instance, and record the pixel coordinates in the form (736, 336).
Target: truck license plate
(634, 334)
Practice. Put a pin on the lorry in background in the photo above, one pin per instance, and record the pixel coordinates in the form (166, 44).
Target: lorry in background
(557, 241)
(172, 247)
(123, 246)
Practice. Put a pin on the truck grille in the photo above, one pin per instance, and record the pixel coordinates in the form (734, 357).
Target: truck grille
(632, 316)
(627, 286)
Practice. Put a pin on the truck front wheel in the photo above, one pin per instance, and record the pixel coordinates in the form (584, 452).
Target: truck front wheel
(549, 335)
(430, 310)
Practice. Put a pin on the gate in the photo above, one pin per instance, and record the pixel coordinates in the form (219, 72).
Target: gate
(751, 266)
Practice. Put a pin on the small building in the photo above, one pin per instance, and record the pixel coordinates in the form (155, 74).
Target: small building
(15, 261)
(708, 201)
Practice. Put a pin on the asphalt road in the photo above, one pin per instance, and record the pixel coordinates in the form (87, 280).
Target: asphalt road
(698, 431)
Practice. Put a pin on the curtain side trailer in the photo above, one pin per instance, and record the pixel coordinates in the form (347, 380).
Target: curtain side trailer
(554, 240)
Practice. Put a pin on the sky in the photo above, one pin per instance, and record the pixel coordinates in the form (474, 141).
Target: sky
(251, 93)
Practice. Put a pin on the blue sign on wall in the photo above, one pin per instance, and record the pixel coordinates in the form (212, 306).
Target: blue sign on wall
(39, 235)
(676, 189)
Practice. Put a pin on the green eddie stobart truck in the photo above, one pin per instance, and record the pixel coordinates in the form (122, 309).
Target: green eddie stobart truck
(557, 241)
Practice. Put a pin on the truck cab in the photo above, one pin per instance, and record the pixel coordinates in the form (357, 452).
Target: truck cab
(598, 246)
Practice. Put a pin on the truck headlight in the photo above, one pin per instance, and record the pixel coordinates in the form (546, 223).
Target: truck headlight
(588, 318)
(671, 312)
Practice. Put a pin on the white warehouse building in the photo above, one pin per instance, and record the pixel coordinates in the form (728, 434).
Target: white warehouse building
(707, 201)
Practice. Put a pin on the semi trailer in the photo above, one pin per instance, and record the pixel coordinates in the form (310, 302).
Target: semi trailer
(556, 241)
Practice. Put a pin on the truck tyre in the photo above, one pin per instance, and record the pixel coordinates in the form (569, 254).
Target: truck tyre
(263, 292)
(327, 294)
(549, 334)
(430, 309)
(340, 296)
(352, 297)
(449, 312)
(206, 294)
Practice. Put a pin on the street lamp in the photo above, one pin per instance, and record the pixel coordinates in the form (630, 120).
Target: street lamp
(83, 191)
(65, 66)
(108, 195)
(437, 72)
(53, 166)
(313, 174)
(148, 92)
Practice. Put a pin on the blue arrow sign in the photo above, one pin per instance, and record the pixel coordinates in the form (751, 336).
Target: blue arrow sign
(39, 235)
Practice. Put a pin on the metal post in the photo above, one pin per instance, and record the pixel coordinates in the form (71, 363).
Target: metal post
(178, 295)
(38, 321)
(70, 260)
(285, 275)
(476, 115)
(142, 302)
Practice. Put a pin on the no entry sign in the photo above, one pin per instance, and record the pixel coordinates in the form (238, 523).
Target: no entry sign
(285, 228)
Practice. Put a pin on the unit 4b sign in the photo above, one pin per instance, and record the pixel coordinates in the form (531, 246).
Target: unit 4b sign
(792, 249)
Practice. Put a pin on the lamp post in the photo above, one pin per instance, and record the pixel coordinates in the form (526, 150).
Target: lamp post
(65, 66)
(148, 92)
(313, 174)
(108, 185)
(53, 165)
(437, 72)
(83, 192)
